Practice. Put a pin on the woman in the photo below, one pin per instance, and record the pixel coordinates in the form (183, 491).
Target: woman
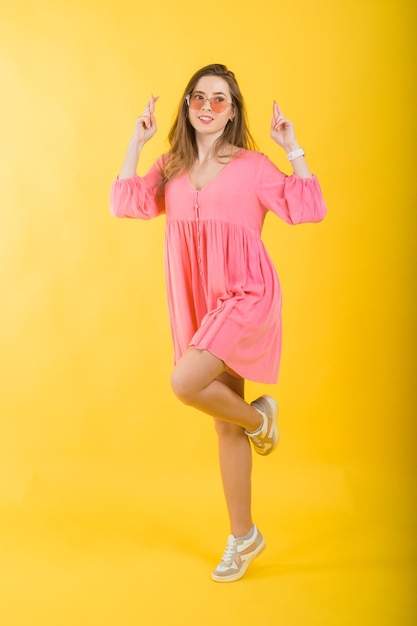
(223, 292)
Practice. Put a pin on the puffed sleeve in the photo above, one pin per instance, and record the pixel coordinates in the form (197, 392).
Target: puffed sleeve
(138, 197)
(294, 199)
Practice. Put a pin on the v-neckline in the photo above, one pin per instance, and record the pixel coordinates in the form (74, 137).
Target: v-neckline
(214, 177)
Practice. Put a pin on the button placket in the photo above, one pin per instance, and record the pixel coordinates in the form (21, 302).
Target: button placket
(197, 219)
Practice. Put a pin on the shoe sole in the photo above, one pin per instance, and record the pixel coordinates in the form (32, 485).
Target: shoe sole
(242, 571)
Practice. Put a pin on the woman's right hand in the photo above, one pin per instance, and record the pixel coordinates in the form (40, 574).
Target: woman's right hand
(145, 126)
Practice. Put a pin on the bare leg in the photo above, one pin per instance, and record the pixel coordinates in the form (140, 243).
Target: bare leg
(195, 382)
(235, 457)
(200, 379)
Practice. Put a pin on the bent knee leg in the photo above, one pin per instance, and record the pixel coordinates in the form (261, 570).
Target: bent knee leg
(192, 374)
(182, 387)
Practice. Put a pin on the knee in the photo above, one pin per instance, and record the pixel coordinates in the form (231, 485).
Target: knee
(181, 387)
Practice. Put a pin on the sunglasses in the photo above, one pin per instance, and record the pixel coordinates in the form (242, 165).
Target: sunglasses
(196, 100)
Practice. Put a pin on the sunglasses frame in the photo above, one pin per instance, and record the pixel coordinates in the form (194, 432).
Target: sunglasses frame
(204, 100)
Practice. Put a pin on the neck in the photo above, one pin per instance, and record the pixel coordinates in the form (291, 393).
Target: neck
(205, 146)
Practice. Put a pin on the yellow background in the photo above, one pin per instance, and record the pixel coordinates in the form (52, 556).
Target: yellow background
(111, 508)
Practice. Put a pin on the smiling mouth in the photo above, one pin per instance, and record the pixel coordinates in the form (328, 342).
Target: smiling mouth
(205, 119)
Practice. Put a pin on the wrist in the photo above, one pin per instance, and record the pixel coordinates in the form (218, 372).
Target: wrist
(292, 147)
(294, 154)
(136, 145)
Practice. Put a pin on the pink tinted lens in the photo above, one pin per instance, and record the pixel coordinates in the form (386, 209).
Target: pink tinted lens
(218, 107)
(196, 103)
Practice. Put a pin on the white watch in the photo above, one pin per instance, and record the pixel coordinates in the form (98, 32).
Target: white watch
(296, 153)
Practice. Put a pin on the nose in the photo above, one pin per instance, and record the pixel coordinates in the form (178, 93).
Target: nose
(206, 104)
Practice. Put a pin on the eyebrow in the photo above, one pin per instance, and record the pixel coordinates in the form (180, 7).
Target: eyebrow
(216, 93)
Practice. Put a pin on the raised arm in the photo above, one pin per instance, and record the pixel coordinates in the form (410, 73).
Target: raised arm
(131, 195)
(145, 128)
(297, 198)
(282, 132)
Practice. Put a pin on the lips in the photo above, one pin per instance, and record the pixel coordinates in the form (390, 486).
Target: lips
(205, 119)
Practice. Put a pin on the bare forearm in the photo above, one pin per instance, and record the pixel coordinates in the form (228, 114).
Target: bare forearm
(131, 160)
(282, 132)
(299, 164)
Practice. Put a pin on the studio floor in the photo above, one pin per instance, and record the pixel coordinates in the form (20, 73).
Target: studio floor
(100, 550)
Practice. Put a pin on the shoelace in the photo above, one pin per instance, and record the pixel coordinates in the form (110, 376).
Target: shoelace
(230, 552)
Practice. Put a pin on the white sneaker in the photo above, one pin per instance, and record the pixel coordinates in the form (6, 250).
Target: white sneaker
(239, 554)
(266, 438)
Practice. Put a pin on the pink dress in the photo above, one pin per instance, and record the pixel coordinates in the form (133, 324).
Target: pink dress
(223, 290)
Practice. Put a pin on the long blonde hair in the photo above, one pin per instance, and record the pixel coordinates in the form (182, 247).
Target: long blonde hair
(181, 137)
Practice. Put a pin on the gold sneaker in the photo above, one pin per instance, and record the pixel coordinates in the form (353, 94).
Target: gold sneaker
(266, 438)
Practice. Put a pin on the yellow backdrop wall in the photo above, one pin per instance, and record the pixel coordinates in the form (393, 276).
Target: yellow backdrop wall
(100, 521)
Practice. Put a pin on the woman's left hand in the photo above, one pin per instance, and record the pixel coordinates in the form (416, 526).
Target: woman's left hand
(282, 130)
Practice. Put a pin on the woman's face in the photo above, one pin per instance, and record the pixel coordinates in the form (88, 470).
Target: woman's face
(212, 94)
